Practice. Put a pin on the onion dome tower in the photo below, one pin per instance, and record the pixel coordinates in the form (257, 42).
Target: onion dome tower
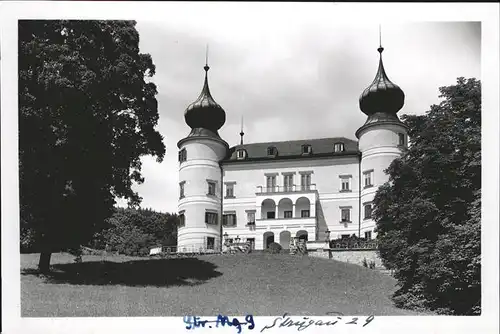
(381, 138)
(205, 116)
(200, 175)
(382, 96)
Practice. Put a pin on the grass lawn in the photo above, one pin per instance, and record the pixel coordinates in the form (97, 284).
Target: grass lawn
(258, 284)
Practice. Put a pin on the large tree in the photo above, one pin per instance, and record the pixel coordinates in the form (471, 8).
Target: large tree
(87, 113)
(429, 213)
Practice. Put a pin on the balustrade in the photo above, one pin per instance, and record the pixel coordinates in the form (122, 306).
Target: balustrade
(286, 189)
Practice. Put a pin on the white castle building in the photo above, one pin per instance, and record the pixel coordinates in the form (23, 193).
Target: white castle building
(315, 189)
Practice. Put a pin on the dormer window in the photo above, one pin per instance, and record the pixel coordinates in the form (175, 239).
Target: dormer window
(306, 149)
(272, 151)
(338, 147)
(241, 154)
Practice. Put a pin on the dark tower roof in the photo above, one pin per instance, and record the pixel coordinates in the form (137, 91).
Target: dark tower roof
(205, 113)
(382, 96)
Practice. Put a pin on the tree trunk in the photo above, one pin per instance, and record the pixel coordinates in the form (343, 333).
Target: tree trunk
(44, 262)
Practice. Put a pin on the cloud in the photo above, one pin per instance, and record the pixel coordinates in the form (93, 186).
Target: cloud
(291, 77)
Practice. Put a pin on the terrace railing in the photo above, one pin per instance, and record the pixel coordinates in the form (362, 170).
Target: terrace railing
(286, 189)
(188, 249)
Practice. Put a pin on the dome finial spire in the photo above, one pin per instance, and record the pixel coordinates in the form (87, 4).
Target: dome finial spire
(241, 132)
(380, 48)
(206, 60)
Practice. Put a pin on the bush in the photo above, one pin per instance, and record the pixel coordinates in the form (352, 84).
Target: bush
(414, 300)
(28, 240)
(371, 265)
(274, 248)
(352, 242)
(134, 232)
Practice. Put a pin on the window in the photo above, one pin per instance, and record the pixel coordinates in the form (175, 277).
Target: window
(305, 213)
(181, 189)
(240, 154)
(182, 155)
(271, 183)
(271, 150)
(368, 176)
(288, 214)
(251, 217)
(251, 241)
(345, 215)
(338, 147)
(229, 219)
(210, 242)
(305, 181)
(368, 211)
(271, 215)
(368, 235)
(182, 219)
(345, 183)
(306, 149)
(402, 141)
(288, 182)
(211, 188)
(345, 236)
(229, 190)
(211, 218)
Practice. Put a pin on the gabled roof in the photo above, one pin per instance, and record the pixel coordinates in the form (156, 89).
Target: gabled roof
(292, 149)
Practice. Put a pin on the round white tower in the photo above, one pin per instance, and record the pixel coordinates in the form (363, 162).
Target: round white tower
(200, 175)
(381, 138)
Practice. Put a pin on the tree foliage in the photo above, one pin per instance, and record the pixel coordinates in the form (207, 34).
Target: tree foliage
(87, 113)
(429, 213)
(134, 231)
(274, 248)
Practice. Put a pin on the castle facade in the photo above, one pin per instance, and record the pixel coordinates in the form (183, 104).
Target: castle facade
(316, 189)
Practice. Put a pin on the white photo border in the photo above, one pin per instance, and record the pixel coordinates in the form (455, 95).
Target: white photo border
(10, 12)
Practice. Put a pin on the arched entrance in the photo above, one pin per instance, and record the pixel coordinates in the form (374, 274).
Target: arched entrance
(268, 239)
(302, 235)
(285, 239)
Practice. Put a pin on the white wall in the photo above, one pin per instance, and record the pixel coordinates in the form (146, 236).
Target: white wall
(326, 171)
(325, 206)
(379, 146)
(202, 164)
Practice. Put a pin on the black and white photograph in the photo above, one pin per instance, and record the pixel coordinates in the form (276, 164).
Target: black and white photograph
(249, 167)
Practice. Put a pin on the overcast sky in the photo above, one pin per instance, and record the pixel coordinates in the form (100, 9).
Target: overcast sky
(292, 77)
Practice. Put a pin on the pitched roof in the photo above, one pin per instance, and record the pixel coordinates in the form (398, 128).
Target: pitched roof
(292, 149)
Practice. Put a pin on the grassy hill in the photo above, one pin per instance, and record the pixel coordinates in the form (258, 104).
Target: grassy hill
(258, 284)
